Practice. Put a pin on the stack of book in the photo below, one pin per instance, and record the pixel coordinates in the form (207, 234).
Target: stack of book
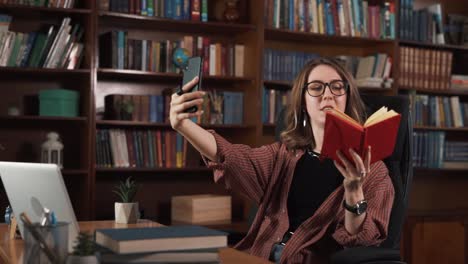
(173, 244)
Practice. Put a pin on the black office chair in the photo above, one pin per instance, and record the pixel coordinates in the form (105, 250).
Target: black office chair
(401, 172)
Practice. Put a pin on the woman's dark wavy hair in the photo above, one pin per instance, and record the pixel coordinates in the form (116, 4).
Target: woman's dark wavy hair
(296, 136)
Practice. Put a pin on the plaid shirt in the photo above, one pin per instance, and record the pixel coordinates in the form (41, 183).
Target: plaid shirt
(265, 174)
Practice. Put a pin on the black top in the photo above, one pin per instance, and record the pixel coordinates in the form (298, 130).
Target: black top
(312, 183)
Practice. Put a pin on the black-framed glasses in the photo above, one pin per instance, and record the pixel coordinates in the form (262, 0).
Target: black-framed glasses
(317, 88)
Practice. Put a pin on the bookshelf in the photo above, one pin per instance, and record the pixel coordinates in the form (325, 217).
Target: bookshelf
(90, 187)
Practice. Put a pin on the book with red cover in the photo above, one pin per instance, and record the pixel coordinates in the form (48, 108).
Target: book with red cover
(342, 133)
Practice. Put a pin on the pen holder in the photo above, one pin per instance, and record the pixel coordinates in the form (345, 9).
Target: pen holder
(55, 237)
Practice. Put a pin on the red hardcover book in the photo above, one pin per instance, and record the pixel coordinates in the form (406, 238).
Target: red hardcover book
(196, 10)
(342, 133)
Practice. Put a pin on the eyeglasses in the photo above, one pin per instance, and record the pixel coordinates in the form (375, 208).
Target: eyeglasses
(317, 88)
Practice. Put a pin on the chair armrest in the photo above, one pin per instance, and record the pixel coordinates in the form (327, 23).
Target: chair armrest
(366, 255)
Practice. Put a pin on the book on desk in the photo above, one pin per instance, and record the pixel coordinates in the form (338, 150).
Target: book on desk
(171, 244)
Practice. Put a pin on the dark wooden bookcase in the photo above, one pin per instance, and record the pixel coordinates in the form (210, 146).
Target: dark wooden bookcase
(437, 193)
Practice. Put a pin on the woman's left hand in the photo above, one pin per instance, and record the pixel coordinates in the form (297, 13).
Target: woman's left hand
(354, 174)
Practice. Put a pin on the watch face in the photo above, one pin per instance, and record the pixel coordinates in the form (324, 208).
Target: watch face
(361, 207)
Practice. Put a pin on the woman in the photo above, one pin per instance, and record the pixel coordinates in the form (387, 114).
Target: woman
(307, 209)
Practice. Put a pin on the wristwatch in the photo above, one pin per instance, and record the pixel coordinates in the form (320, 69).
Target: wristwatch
(358, 209)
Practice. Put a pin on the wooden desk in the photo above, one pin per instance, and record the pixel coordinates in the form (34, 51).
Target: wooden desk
(12, 250)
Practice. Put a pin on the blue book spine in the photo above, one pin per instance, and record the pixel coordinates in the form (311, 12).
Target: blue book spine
(153, 110)
(28, 49)
(151, 153)
(186, 9)
(144, 8)
(168, 9)
(177, 9)
(120, 49)
(356, 17)
(240, 107)
(159, 108)
(291, 15)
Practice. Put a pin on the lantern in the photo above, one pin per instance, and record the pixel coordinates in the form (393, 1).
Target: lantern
(52, 150)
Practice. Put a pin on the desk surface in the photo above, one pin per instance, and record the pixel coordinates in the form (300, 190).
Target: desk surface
(13, 249)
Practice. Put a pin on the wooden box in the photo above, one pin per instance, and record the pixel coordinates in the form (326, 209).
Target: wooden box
(203, 208)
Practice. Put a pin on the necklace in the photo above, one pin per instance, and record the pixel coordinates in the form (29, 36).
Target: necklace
(313, 153)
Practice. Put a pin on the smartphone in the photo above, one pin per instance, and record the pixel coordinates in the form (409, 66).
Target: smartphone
(193, 69)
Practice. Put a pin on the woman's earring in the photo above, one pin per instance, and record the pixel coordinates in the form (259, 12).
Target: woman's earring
(295, 119)
(304, 122)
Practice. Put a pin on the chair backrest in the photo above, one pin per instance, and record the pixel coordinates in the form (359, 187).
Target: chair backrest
(399, 163)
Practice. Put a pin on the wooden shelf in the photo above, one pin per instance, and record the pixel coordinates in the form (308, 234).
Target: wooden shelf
(25, 10)
(447, 129)
(125, 123)
(435, 91)
(121, 20)
(105, 73)
(17, 72)
(152, 170)
(27, 119)
(431, 45)
(286, 85)
(438, 172)
(289, 36)
(74, 172)
(278, 84)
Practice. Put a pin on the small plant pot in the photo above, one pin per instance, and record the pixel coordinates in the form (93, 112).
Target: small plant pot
(126, 213)
(73, 259)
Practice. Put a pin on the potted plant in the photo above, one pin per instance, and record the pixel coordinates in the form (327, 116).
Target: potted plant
(126, 212)
(84, 251)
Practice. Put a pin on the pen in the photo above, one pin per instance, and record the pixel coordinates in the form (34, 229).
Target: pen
(37, 236)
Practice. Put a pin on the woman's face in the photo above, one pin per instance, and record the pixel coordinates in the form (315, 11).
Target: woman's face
(317, 106)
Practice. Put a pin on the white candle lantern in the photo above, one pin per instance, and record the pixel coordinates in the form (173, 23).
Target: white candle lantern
(52, 150)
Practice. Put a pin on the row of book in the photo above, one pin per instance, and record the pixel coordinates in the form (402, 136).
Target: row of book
(195, 10)
(55, 47)
(333, 17)
(273, 102)
(422, 24)
(222, 107)
(219, 107)
(369, 71)
(439, 111)
(284, 65)
(43, 3)
(119, 51)
(146, 108)
(125, 148)
(425, 68)
(431, 150)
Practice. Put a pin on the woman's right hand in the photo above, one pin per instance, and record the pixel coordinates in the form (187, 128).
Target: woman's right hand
(181, 102)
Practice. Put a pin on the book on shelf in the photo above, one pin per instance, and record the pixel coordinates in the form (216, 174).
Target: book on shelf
(194, 10)
(41, 3)
(342, 133)
(119, 51)
(52, 47)
(422, 68)
(333, 17)
(160, 239)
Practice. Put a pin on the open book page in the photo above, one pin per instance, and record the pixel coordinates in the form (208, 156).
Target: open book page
(380, 115)
(344, 116)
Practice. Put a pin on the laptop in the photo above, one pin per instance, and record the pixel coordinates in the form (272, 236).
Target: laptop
(32, 186)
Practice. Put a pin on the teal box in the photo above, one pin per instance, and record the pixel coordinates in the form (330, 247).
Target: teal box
(58, 102)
